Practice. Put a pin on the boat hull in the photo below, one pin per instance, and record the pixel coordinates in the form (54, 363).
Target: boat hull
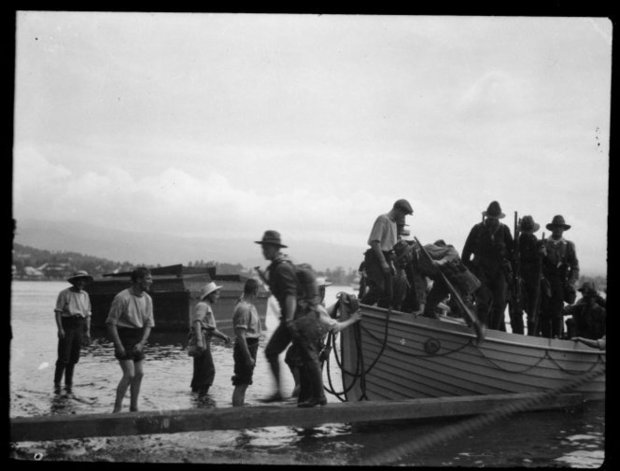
(407, 357)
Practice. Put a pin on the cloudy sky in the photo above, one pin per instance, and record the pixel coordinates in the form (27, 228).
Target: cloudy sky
(224, 125)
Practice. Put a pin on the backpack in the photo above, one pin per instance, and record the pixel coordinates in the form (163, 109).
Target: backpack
(307, 287)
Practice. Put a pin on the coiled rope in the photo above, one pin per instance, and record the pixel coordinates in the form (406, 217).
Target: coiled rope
(469, 425)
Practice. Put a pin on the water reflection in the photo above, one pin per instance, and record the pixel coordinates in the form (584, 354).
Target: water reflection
(62, 403)
(202, 401)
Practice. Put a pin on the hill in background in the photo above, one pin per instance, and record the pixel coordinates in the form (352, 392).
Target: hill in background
(163, 249)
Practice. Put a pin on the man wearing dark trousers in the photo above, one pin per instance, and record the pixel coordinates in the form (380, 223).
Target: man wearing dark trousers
(379, 259)
(73, 311)
(561, 272)
(283, 286)
(491, 245)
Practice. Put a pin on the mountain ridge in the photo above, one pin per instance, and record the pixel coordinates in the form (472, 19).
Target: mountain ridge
(168, 249)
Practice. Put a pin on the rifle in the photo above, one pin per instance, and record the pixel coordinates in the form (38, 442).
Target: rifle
(516, 308)
(456, 295)
(537, 295)
(262, 275)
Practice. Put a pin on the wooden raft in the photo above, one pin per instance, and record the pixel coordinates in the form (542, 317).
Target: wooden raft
(57, 427)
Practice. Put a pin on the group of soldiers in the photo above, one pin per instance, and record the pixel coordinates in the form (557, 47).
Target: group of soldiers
(495, 271)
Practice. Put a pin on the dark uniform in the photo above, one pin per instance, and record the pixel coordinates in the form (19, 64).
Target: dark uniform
(282, 283)
(530, 271)
(560, 271)
(491, 245)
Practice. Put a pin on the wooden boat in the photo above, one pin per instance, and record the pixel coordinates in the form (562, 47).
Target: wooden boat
(391, 355)
(175, 291)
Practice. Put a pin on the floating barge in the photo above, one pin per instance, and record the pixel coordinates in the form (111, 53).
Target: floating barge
(391, 355)
(175, 291)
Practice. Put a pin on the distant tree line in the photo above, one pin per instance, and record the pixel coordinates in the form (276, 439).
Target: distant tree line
(30, 262)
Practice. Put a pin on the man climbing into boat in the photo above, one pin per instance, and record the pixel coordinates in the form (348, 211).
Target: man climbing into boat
(328, 323)
(561, 272)
(490, 243)
(379, 258)
(446, 259)
(283, 286)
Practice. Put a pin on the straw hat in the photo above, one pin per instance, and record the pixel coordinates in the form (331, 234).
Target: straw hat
(80, 274)
(208, 289)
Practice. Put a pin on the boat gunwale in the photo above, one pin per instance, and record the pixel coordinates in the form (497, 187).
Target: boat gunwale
(579, 350)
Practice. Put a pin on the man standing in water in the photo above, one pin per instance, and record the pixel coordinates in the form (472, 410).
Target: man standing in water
(247, 332)
(283, 285)
(129, 323)
(73, 311)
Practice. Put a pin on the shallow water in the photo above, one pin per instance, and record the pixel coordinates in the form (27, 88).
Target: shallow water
(569, 438)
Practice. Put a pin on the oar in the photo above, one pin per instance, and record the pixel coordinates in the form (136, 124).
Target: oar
(471, 315)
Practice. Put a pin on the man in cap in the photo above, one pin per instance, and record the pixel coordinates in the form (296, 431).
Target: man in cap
(491, 244)
(129, 324)
(530, 253)
(561, 272)
(378, 259)
(282, 282)
(588, 316)
(72, 312)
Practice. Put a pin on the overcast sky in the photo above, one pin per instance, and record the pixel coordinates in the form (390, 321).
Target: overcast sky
(224, 125)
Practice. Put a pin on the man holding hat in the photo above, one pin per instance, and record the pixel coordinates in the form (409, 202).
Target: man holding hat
(561, 272)
(378, 259)
(73, 311)
(491, 245)
(282, 282)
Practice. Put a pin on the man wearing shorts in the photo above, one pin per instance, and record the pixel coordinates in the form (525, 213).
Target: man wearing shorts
(247, 331)
(129, 323)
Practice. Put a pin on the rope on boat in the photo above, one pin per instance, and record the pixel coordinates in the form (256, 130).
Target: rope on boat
(469, 425)
(360, 371)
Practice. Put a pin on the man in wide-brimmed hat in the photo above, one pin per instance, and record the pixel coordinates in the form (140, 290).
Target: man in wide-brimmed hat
(530, 253)
(283, 286)
(588, 317)
(378, 258)
(72, 312)
(491, 245)
(203, 327)
(561, 272)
